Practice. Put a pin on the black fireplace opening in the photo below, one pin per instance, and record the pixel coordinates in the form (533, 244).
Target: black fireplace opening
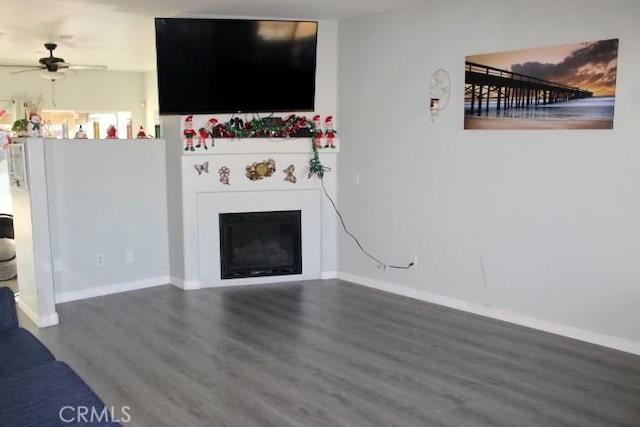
(255, 244)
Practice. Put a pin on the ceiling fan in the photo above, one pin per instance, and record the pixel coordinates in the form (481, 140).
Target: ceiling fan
(51, 65)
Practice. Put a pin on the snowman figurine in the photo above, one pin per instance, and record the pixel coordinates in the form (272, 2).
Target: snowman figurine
(35, 129)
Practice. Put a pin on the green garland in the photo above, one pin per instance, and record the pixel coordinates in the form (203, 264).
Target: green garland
(265, 127)
(315, 165)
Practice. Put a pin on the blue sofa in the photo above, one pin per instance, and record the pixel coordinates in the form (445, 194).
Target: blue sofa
(35, 388)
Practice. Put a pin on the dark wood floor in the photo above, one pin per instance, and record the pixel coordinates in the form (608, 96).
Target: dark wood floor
(330, 353)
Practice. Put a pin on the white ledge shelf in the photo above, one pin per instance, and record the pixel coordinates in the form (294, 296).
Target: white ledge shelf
(259, 146)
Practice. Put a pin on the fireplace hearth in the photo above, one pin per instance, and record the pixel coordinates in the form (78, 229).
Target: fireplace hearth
(256, 244)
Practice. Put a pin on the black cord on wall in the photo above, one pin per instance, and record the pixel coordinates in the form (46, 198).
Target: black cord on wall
(355, 239)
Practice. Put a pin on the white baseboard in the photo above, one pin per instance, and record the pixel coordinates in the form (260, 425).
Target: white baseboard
(40, 322)
(51, 320)
(111, 289)
(326, 275)
(262, 280)
(186, 285)
(249, 281)
(499, 314)
(27, 310)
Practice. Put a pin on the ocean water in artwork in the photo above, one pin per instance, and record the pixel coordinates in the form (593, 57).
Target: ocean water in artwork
(595, 108)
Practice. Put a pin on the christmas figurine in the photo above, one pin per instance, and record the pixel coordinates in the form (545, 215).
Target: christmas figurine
(112, 132)
(34, 125)
(317, 131)
(80, 134)
(48, 130)
(189, 133)
(288, 126)
(302, 123)
(207, 132)
(141, 133)
(293, 125)
(329, 132)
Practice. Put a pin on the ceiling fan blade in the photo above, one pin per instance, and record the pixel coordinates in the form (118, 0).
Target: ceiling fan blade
(19, 66)
(88, 67)
(52, 64)
(28, 70)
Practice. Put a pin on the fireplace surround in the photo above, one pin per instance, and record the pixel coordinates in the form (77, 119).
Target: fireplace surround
(194, 222)
(211, 205)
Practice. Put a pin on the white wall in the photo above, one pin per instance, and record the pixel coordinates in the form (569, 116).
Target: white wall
(32, 230)
(152, 108)
(84, 91)
(538, 227)
(176, 221)
(327, 68)
(6, 204)
(107, 197)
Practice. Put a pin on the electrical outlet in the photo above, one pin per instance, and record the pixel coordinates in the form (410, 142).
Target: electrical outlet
(414, 262)
(356, 178)
(100, 259)
(130, 255)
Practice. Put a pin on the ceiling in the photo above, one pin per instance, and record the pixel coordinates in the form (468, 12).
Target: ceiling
(120, 33)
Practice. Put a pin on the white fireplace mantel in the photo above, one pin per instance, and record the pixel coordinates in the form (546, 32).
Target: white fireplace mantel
(224, 146)
(204, 196)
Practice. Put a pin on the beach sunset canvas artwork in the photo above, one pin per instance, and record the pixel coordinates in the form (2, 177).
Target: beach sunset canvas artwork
(561, 87)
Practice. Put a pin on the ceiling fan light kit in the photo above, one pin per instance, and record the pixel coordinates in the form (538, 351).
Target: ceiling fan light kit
(51, 76)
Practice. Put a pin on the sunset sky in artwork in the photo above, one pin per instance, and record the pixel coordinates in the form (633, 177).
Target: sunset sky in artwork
(590, 65)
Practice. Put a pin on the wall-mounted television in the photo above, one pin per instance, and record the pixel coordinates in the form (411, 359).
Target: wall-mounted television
(207, 66)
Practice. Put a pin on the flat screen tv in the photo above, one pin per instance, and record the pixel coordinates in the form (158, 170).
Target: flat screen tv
(207, 66)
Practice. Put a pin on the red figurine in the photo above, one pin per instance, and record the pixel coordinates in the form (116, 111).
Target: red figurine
(141, 133)
(189, 133)
(317, 131)
(112, 132)
(207, 132)
(329, 132)
(302, 123)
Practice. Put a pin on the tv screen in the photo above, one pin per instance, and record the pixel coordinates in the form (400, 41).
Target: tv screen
(209, 66)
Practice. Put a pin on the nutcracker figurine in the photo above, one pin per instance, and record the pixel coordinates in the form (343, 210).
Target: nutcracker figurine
(207, 132)
(189, 133)
(329, 132)
(317, 131)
